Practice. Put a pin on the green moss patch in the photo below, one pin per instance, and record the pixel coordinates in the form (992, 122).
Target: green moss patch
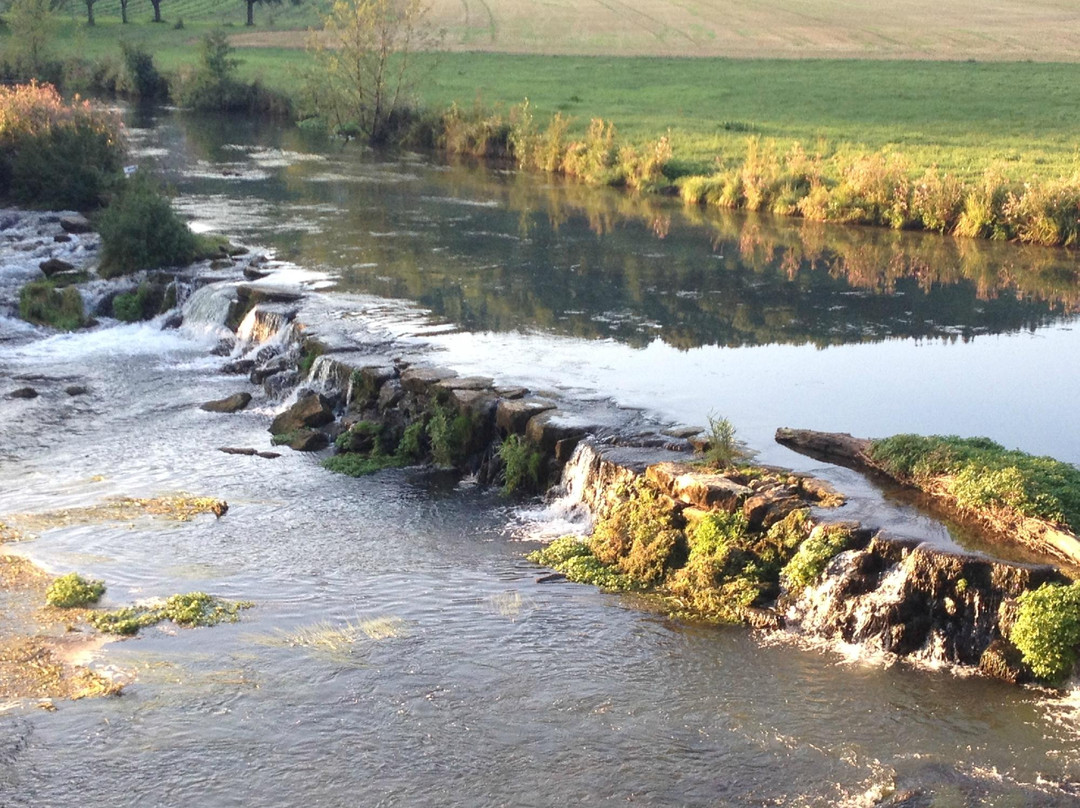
(189, 610)
(982, 475)
(573, 558)
(43, 303)
(522, 464)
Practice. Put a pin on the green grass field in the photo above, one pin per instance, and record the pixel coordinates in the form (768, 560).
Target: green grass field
(961, 116)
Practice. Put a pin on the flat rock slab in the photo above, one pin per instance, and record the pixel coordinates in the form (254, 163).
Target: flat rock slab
(418, 380)
(558, 433)
(512, 416)
(512, 392)
(699, 488)
(233, 403)
(477, 402)
(467, 383)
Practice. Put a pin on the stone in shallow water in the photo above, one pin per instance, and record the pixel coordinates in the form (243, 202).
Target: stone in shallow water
(77, 390)
(310, 410)
(233, 403)
(76, 224)
(23, 392)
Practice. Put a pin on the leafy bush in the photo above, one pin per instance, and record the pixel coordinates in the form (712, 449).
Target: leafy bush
(140, 230)
(522, 462)
(72, 590)
(42, 303)
(723, 450)
(982, 474)
(824, 543)
(1047, 630)
(55, 154)
(411, 445)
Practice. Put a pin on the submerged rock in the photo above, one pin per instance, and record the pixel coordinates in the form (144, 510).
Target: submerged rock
(23, 392)
(305, 440)
(76, 223)
(53, 266)
(76, 390)
(233, 403)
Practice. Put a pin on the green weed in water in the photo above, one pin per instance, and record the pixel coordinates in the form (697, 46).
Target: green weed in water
(522, 463)
(72, 590)
(1047, 630)
(189, 610)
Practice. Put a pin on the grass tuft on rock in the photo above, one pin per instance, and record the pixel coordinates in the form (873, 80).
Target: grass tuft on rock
(42, 303)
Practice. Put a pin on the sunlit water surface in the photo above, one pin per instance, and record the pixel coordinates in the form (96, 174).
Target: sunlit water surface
(463, 681)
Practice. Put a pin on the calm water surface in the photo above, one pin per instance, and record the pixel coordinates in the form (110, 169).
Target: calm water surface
(477, 686)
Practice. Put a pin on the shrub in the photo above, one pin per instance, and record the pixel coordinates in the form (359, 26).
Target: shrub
(141, 77)
(140, 230)
(1047, 630)
(824, 543)
(54, 154)
(411, 445)
(522, 463)
(42, 303)
(937, 200)
(71, 590)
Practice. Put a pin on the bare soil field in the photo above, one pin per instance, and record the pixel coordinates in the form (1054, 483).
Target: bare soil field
(999, 30)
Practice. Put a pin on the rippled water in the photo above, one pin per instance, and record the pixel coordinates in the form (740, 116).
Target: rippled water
(492, 689)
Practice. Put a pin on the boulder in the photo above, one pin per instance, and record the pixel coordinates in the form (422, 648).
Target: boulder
(23, 392)
(77, 390)
(52, 266)
(702, 489)
(766, 508)
(233, 403)
(76, 224)
(480, 403)
(62, 238)
(390, 395)
(512, 415)
(512, 392)
(310, 410)
(238, 367)
(307, 440)
(280, 383)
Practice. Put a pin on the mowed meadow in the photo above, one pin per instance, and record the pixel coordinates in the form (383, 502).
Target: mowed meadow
(962, 87)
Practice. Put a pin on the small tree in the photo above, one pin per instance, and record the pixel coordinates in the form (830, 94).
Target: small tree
(123, 11)
(364, 65)
(251, 8)
(32, 25)
(89, 11)
(157, 9)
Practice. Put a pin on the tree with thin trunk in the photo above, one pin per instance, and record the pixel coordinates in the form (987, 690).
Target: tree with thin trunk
(90, 11)
(157, 9)
(123, 11)
(251, 8)
(32, 24)
(363, 72)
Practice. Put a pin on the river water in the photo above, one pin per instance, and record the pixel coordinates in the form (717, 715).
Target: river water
(400, 651)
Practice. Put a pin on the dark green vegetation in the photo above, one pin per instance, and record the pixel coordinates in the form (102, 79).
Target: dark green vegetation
(982, 475)
(715, 567)
(1047, 630)
(72, 590)
(140, 230)
(188, 610)
(145, 302)
(439, 433)
(43, 303)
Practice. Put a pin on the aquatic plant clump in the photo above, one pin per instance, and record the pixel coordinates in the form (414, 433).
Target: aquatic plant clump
(522, 464)
(981, 474)
(189, 610)
(638, 537)
(72, 591)
(353, 464)
(1047, 630)
(43, 303)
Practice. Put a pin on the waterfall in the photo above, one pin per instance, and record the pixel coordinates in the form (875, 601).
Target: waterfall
(264, 325)
(570, 509)
(208, 308)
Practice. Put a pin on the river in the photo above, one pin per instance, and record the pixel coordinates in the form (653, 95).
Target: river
(445, 675)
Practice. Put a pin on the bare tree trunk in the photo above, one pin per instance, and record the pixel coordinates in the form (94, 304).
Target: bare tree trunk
(123, 12)
(157, 9)
(90, 12)
(251, 12)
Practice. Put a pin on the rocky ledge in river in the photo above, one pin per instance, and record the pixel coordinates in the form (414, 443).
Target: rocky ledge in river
(750, 544)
